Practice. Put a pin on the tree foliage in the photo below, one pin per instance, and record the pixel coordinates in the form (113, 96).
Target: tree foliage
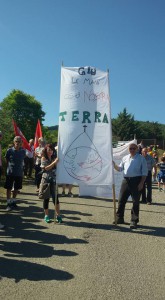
(123, 126)
(151, 130)
(24, 109)
(51, 136)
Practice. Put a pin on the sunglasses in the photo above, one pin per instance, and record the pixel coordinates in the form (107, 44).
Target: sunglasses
(17, 142)
(132, 148)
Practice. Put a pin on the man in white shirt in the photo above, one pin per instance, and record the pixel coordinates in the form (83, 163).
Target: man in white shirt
(135, 170)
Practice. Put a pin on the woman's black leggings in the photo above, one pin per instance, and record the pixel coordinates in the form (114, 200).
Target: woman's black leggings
(52, 193)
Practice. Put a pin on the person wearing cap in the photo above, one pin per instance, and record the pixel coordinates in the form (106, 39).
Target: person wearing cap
(15, 162)
(135, 170)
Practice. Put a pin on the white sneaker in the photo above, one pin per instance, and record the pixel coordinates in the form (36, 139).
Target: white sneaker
(8, 208)
(2, 226)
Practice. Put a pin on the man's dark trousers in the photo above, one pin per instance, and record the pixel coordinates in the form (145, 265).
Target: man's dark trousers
(129, 187)
(148, 186)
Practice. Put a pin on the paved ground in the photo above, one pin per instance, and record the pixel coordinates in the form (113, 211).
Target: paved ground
(86, 257)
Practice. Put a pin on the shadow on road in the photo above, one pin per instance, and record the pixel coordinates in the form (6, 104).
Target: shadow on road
(147, 230)
(31, 250)
(26, 237)
(18, 270)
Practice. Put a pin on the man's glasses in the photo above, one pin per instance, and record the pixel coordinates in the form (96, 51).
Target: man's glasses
(132, 148)
(17, 142)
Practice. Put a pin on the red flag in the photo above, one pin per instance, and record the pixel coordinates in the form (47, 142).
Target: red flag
(18, 132)
(38, 134)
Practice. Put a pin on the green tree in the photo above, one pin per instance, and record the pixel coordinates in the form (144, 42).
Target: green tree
(51, 136)
(124, 126)
(150, 130)
(24, 109)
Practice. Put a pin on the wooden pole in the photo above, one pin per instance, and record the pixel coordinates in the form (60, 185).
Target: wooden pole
(114, 203)
(113, 185)
(56, 188)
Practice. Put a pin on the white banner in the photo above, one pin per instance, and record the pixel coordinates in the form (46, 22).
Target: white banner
(85, 139)
(106, 191)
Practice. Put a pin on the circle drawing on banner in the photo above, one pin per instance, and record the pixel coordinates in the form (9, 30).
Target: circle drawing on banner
(82, 160)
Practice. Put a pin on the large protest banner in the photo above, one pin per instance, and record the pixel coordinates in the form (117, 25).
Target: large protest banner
(85, 139)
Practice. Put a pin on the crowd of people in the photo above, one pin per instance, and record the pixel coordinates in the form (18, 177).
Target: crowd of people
(157, 163)
(140, 167)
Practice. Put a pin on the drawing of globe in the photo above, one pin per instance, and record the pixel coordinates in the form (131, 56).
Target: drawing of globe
(83, 163)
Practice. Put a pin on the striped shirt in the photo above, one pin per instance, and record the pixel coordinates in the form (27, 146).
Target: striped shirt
(162, 167)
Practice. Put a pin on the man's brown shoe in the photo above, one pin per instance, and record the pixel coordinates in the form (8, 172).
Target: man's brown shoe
(119, 221)
(133, 225)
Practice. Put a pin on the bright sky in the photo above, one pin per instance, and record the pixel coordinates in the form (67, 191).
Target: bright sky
(125, 36)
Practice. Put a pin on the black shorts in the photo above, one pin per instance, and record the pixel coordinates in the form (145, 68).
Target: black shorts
(10, 180)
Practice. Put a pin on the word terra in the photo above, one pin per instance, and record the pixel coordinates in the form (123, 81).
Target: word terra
(86, 116)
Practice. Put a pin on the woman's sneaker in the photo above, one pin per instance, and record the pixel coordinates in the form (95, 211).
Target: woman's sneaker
(59, 219)
(46, 219)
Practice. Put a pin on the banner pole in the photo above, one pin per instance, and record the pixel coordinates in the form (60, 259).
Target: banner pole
(114, 203)
(56, 188)
(113, 185)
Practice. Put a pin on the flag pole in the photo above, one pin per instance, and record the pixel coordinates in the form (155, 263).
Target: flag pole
(113, 185)
(56, 188)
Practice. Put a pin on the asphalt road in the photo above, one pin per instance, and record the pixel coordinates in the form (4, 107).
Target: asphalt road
(86, 257)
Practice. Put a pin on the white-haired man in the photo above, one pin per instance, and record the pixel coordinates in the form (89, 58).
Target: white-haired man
(135, 170)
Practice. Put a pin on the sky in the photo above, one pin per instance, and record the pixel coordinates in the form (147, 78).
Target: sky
(125, 36)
